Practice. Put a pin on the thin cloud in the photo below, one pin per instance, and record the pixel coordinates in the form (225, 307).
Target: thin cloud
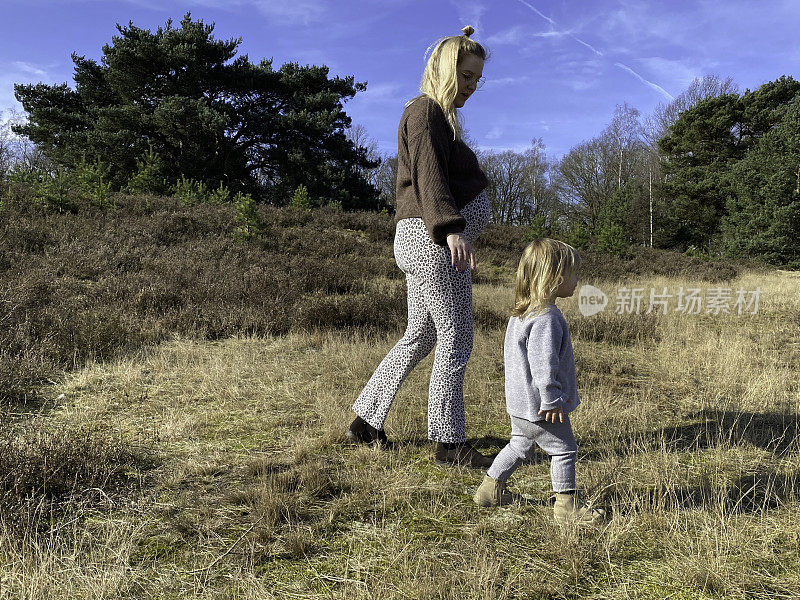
(470, 12)
(670, 70)
(507, 80)
(512, 37)
(378, 93)
(293, 11)
(494, 133)
(656, 87)
(29, 68)
(555, 33)
(19, 71)
(520, 35)
(288, 12)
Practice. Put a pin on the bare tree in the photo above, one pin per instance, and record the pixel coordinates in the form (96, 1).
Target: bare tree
(506, 189)
(625, 134)
(518, 187)
(536, 183)
(6, 146)
(384, 177)
(587, 179)
(17, 151)
(360, 137)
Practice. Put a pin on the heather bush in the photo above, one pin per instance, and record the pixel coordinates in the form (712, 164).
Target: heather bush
(47, 473)
(99, 283)
(81, 288)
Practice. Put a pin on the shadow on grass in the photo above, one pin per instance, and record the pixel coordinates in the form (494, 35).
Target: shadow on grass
(771, 488)
(750, 494)
(777, 433)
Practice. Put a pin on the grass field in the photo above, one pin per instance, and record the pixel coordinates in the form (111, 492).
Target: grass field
(222, 470)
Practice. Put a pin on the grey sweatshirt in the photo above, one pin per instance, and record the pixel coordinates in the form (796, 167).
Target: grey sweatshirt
(539, 365)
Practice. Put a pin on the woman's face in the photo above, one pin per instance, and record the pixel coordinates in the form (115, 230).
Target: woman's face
(468, 71)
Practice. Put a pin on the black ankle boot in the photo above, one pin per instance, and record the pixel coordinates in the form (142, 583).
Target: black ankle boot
(462, 455)
(363, 433)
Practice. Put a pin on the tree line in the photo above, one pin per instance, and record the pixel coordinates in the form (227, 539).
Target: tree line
(714, 172)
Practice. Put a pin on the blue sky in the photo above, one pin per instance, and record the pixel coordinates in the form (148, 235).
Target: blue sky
(557, 69)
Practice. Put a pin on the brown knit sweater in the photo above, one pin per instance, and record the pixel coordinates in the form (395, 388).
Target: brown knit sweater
(436, 175)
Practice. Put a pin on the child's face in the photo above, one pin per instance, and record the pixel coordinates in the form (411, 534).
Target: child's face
(567, 288)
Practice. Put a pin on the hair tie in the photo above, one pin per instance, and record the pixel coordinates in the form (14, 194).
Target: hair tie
(468, 30)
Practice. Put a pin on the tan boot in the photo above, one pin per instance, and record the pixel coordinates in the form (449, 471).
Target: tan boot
(492, 492)
(566, 510)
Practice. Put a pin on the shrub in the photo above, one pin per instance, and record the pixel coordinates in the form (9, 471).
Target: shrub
(91, 183)
(149, 175)
(536, 229)
(220, 195)
(47, 188)
(301, 199)
(47, 473)
(190, 191)
(611, 236)
(578, 236)
(248, 223)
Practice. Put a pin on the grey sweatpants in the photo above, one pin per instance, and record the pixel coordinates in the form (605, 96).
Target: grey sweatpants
(556, 439)
(440, 315)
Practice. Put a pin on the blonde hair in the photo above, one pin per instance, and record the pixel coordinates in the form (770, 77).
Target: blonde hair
(440, 78)
(545, 265)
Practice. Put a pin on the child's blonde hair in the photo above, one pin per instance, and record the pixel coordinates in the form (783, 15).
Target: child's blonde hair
(545, 265)
(440, 78)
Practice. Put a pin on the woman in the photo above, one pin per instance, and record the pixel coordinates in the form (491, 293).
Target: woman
(441, 208)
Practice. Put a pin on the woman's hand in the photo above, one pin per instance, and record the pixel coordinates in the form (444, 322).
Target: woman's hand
(461, 254)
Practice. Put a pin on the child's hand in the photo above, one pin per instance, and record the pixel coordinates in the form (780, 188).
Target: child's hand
(550, 415)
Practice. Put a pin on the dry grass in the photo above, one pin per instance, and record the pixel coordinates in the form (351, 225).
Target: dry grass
(192, 445)
(688, 434)
(96, 285)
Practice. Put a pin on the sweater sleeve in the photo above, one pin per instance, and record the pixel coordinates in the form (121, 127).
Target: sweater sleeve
(544, 346)
(429, 151)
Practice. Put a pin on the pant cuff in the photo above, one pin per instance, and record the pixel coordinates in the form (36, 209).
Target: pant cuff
(564, 486)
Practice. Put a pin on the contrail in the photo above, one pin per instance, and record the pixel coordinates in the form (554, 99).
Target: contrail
(589, 46)
(553, 24)
(656, 87)
(548, 19)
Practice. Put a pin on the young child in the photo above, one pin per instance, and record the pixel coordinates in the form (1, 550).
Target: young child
(540, 380)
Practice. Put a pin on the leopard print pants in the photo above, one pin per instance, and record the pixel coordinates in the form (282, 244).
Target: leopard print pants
(439, 314)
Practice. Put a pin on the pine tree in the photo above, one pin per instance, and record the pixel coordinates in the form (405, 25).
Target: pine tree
(612, 226)
(210, 116)
(763, 220)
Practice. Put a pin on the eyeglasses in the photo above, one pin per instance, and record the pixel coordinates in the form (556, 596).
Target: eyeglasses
(469, 78)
